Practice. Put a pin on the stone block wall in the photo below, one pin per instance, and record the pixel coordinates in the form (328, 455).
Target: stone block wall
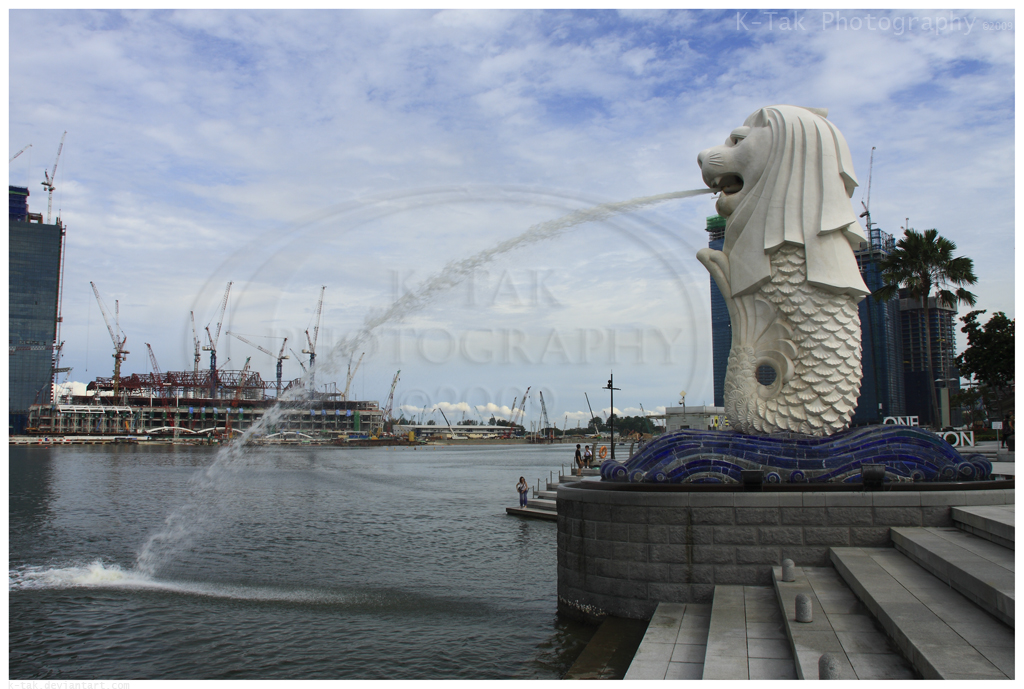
(622, 552)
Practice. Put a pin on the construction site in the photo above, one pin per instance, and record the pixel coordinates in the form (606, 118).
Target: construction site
(209, 403)
(206, 404)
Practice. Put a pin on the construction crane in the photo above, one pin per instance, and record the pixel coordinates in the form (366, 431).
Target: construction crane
(195, 342)
(158, 376)
(312, 340)
(351, 375)
(19, 153)
(298, 359)
(386, 416)
(234, 400)
(212, 348)
(522, 408)
(867, 206)
(48, 182)
(591, 412)
(544, 421)
(119, 351)
(281, 356)
(450, 429)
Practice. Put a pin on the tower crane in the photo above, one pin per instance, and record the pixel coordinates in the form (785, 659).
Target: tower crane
(386, 416)
(20, 152)
(298, 359)
(119, 351)
(212, 348)
(312, 340)
(351, 375)
(544, 421)
(281, 356)
(48, 182)
(867, 206)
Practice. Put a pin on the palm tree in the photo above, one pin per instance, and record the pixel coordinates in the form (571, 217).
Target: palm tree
(919, 263)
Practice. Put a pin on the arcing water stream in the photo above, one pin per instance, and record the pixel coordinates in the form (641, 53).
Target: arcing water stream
(200, 508)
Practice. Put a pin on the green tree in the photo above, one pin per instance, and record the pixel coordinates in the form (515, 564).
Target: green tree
(988, 357)
(920, 264)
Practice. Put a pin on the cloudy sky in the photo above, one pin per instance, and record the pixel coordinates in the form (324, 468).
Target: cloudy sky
(381, 153)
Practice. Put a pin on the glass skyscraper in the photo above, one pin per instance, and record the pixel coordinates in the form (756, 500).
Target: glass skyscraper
(721, 325)
(882, 385)
(34, 255)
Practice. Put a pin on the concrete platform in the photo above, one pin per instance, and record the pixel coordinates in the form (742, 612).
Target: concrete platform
(991, 522)
(840, 625)
(980, 570)
(674, 645)
(942, 633)
(533, 513)
(746, 639)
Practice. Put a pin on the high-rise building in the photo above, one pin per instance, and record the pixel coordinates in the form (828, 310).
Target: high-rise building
(721, 325)
(944, 375)
(881, 388)
(35, 253)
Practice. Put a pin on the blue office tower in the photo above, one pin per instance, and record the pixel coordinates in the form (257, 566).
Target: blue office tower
(721, 325)
(34, 257)
(882, 385)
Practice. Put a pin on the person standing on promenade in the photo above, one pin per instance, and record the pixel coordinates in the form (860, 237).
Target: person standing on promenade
(579, 461)
(588, 456)
(524, 491)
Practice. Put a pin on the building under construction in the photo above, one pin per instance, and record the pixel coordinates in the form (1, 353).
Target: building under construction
(177, 404)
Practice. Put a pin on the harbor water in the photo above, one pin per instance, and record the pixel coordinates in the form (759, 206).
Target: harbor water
(301, 562)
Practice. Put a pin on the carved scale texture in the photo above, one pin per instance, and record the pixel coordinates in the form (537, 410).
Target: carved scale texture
(821, 396)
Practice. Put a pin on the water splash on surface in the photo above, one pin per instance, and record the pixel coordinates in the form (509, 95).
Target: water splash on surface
(98, 575)
(199, 509)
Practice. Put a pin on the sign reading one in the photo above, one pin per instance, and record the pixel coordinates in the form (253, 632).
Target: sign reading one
(900, 420)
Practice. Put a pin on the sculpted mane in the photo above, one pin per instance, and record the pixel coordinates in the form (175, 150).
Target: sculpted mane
(802, 197)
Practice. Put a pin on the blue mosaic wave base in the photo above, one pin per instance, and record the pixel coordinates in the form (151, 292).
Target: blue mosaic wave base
(691, 456)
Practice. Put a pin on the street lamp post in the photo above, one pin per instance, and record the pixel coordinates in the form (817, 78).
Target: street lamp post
(611, 415)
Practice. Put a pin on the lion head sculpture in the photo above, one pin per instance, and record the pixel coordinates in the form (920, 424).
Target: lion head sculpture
(786, 176)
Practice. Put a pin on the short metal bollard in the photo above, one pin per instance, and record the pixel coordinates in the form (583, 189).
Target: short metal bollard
(828, 666)
(803, 608)
(788, 570)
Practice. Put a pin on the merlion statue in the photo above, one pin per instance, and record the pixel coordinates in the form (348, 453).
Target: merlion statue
(787, 271)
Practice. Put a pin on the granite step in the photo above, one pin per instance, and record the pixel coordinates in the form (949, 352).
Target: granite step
(746, 639)
(942, 633)
(545, 494)
(839, 624)
(991, 522)
(542, 504)
(981, 570)
(674, 644)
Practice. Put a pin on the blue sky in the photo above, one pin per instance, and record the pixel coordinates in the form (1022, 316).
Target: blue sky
(365, 150)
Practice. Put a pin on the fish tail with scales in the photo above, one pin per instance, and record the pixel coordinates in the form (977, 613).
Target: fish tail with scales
(817, 386)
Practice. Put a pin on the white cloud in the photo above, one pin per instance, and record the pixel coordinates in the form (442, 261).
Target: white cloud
(207, 146)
